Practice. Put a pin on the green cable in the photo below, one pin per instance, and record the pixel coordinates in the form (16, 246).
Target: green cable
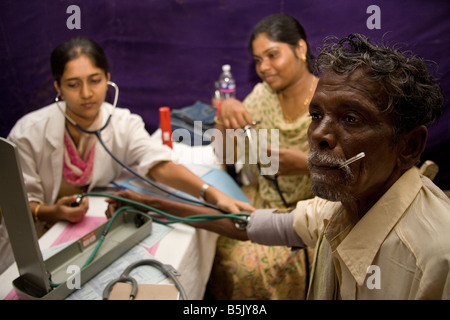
(195, 218)
(175, 219)
(100, 241)
(105, 232)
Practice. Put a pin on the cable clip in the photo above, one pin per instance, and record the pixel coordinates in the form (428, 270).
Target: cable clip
(240, 224)
(77, 201)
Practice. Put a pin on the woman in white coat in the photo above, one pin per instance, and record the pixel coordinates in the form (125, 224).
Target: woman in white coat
(59, 160)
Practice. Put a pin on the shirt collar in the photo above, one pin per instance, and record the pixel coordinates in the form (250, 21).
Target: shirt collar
(357, 244)
(56, 123)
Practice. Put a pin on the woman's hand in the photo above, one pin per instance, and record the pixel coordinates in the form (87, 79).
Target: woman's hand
(64, 211)
(231, 205)
(233, 114)
(226, 203)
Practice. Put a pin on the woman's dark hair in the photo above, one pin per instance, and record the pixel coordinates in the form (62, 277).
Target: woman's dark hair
(283, 28)
(414, 97)
(72, 49)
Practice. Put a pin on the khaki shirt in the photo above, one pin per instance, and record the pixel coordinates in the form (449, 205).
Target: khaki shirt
(400, 249)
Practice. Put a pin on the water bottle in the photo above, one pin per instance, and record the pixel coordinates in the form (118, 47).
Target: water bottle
(215, 99)
(227, 85)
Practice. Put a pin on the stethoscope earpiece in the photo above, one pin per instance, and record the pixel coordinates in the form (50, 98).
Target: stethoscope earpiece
(125, 166)
(116, 98)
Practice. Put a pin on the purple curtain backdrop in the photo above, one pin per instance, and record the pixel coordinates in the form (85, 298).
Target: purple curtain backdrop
(169, 53)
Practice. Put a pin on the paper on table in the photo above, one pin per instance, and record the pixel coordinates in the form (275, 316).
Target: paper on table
(93, 289)
(71, 233)
(76, 231)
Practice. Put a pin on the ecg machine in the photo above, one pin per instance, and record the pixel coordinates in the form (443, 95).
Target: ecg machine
(39, 279)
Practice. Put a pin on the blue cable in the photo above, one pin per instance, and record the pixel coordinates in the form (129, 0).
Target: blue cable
(97, 133)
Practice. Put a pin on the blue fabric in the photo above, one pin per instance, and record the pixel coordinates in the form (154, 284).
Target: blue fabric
(199, 111)
(185, 118)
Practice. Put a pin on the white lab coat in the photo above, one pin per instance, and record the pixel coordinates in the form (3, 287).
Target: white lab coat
(39, 138)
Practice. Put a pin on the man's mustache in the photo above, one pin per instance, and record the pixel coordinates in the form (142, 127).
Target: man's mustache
(320, 158)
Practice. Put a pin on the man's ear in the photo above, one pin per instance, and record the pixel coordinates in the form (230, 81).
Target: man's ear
(412, 145)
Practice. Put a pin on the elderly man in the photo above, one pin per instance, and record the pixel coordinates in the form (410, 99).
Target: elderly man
(380, 229)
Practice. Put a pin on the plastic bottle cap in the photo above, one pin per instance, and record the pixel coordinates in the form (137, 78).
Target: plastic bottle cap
(226, 67)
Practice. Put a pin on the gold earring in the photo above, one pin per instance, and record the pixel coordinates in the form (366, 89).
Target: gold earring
(304, 58)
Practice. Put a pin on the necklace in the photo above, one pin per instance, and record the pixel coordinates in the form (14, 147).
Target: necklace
(290, 119)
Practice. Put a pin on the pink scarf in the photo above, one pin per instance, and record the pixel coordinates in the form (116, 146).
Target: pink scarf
(79, 162)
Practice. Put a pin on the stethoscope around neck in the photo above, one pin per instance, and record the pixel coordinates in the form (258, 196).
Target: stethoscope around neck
(96, 132)
(124, 165)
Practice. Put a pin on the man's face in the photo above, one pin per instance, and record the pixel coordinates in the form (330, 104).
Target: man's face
(347, 119)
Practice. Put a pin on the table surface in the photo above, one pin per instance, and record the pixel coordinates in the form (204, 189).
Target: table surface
(189, 250)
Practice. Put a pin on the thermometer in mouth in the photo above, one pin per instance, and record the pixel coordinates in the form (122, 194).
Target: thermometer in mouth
(352, 159)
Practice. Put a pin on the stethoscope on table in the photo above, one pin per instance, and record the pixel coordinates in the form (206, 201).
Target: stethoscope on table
(125, 277)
